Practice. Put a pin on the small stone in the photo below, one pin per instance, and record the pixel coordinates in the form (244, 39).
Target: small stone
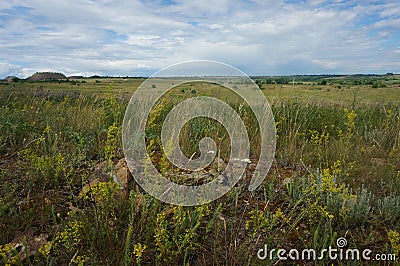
(105, 171)
(122, 175)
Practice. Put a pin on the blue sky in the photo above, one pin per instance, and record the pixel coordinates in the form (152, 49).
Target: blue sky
(138, 38)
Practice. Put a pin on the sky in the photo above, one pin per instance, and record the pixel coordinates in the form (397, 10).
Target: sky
(138, 38)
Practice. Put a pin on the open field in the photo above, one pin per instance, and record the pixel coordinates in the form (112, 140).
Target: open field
(366, 90)
(336, 174)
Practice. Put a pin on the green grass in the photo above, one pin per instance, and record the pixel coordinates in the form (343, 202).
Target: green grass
(340, 149)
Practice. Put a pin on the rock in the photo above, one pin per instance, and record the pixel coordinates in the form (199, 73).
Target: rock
(105, 172)
(28, 243)
(122, 175)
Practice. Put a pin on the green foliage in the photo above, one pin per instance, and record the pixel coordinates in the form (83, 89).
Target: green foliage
(50, 170)
(177, 240)
(262, 222)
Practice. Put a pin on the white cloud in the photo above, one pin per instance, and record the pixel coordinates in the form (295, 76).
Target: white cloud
(394, 23)
(390, 10)
(7, 69)
(135, 38)
(216, 26)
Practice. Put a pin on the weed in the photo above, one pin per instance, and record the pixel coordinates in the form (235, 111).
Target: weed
(394, 238)
(138, 250)
(112, 143)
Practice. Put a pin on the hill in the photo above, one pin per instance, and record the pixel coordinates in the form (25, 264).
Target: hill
(43, 76)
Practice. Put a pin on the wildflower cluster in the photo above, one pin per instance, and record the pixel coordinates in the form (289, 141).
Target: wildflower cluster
(50, 168)
(102, 192)
(350, 125)
(45, 249)
(80, 260)
(323, 186)
(176, 239)
(138, 250)
(278, 125)
(258, 222)
(112, 112)
(319, 138)
(388, 119)
(264, 221)
(70, 237)
(394, 238)
(66, 240)
(9, 255)
(113, 137)
(325, 182)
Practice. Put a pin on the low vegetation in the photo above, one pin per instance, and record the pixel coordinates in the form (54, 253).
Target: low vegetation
(336, 174)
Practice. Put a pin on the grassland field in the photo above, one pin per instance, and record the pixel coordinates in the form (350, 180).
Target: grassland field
(337, 90)
(336, 174)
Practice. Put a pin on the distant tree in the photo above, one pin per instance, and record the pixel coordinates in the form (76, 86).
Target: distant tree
(281, 80)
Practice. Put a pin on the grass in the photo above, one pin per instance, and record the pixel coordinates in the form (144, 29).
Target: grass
(337, 173)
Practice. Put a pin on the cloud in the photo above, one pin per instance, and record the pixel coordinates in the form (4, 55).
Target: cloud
(388, 23)
(7, 69)
(140, 37)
